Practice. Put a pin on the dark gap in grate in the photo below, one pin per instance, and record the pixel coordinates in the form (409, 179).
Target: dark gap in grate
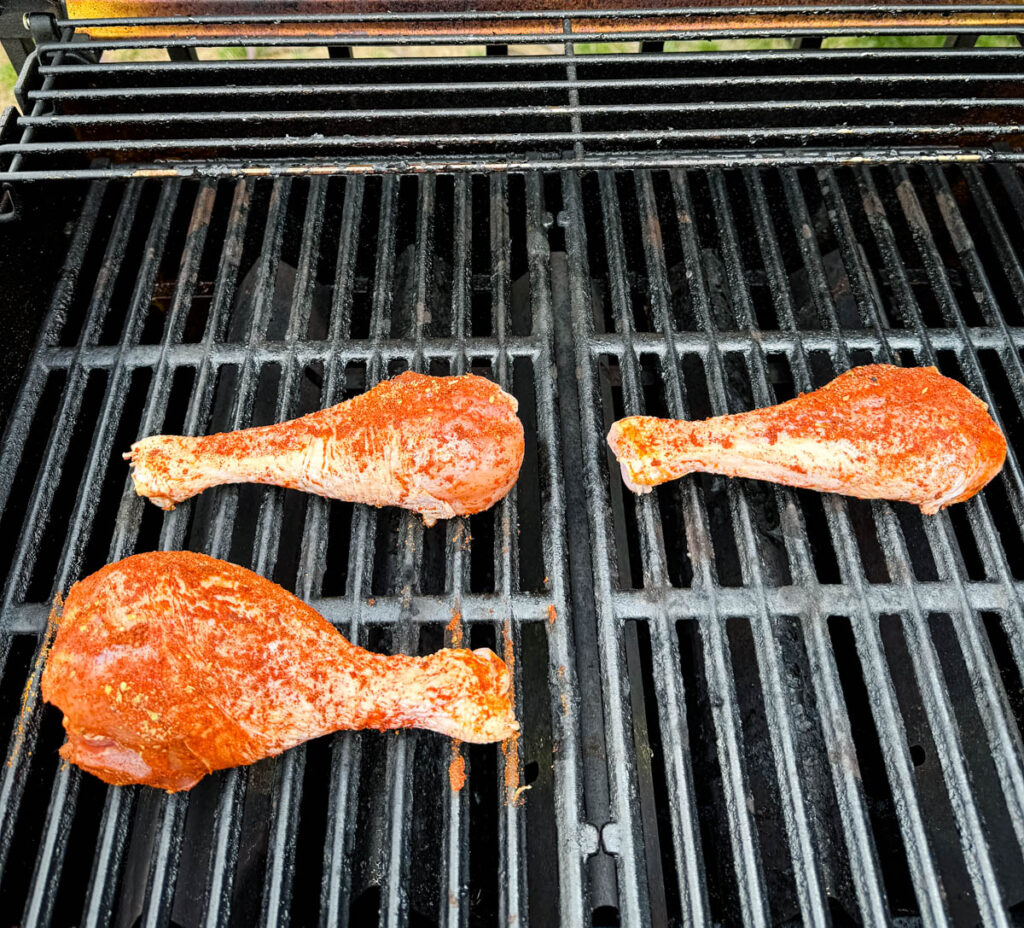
(119, 303)
(909, 254)
(441, 284)
(529, 502)
(629, 557)
(761, 496)
(813, 759)
(114, 474)
(314, 812)
(985, 783)
(261, 791)
(481, 560)
(655, 805)
(485, 799)
(713, 488)
(57, 517)
(597, 257)
(31, 819)
(325, 263)
(202, 296)
(167, 272)
(203, 511)
(680, 299)
(75, 315)
(521, 316)
(763, 795)
(368, 820)
(985, 249)
(427, 776)
(389, 551)
(939, 821)
(973, 565)
(552, 197)
(251, 497)
(878, 795)
(12, 684)
(1013, 684)
(967, 303)
(481, 301)
(762, 298)
(339, 530)
(865, 529)
(912, 524)
(633, 248)
(890, 310)
(1003, 393)
(538, 747)
(80, 833)
(723, 897)
(407, 255)
(13, 516)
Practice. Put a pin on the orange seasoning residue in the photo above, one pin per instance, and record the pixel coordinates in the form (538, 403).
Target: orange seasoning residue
(510, 746)
(30, 695)
(454, 629)
(457, 767)
(552, 614)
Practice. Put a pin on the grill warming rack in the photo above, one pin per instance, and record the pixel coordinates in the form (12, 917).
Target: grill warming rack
(540, 98)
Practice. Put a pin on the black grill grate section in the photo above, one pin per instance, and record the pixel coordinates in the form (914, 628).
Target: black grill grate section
(549, 100)
(748, 705)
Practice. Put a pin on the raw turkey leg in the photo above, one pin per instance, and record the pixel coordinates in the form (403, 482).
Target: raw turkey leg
(170, 665)
(877, 432)
(440, 446)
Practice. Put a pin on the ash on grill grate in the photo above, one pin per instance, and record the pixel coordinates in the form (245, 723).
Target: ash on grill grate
(752, 703)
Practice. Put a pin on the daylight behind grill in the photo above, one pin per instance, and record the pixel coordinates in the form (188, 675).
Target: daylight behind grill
(740, 704)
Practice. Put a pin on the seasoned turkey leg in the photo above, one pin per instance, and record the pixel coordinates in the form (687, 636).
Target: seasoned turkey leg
(441, 446)
(170, 665)
(877, 432)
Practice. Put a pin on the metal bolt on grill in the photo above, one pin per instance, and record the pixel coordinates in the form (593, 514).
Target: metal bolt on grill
(740, 703)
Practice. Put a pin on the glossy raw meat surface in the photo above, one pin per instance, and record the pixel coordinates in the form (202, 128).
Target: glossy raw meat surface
(876, 432)
(440, 446)
(170, 665)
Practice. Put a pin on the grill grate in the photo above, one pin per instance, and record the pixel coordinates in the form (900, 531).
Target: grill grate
(547, 101)
(753, 704)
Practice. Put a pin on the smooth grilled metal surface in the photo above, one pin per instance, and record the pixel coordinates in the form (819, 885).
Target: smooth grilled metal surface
(548, 101)
(740, 703)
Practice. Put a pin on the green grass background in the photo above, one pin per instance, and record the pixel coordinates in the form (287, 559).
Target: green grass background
(7, 75)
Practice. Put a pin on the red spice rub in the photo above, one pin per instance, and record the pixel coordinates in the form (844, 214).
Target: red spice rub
(170, 665)
(457, 767)
(440, 446)
(875, 432)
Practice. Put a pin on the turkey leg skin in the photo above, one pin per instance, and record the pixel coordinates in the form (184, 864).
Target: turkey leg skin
(875, 432)
(170, 665)
(440, 446)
